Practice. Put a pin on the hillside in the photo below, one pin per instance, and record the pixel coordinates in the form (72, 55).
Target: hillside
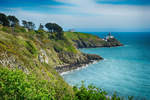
(83, 40)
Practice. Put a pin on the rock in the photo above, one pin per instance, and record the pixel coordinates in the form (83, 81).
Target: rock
(74, 61)
(10, 62)
(43, 56)
(93, 57)
(112, 42)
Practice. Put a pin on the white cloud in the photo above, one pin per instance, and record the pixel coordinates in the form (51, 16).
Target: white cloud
(89, 14)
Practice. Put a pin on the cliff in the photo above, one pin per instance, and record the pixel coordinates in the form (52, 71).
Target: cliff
(83, 40)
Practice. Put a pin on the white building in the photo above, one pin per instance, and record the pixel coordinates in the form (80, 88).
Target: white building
(108, 37)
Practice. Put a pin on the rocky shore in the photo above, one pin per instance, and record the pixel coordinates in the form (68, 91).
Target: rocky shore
(88, 58)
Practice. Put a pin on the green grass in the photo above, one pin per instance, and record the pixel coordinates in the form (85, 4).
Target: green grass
(88, 38)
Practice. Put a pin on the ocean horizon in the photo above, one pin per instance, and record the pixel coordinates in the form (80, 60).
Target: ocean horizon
(125, 69)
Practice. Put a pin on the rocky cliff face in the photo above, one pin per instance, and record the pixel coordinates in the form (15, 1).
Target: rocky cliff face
(112, 42)
(100, 43)
(72, 61)
(83, 40)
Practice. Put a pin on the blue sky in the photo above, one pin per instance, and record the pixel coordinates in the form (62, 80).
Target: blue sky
(83, 15)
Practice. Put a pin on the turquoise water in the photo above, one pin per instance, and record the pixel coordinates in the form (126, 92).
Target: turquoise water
(125, 70)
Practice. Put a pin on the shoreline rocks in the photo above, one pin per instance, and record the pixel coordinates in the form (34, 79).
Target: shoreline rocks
(90, 58)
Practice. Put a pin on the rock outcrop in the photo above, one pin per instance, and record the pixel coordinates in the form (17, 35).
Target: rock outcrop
(75, 61)
(112, 42)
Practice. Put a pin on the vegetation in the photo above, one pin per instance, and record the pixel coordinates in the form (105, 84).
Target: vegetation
(16, 85)
(85, 40)
(41, 27)
(93, 93)
(29, 25)
(3, 20)
(55, 28)
(13, 21)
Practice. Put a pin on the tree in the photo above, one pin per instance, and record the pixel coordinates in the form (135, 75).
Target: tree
(24, 23)
(3, 20)
(31, 26)
(60, 33)
(13, 21)
(41, 27)
(55, 28)
(49, 27)
(28, 25)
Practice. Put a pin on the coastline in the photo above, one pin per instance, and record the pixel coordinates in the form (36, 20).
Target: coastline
(77, 67)
(64, 69)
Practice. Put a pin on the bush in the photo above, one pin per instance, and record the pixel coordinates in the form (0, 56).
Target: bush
(93, 93)
(40, 31)
(16, 85)
(89, 93)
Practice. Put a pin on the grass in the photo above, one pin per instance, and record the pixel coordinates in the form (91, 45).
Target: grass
(88, 38)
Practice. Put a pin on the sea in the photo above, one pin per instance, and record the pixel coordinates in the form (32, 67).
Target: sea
(124, 70)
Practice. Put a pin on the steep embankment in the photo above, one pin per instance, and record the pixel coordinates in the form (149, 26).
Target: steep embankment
(83, 40)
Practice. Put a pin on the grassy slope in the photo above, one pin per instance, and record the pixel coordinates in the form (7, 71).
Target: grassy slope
(21, 49)
(88, 38)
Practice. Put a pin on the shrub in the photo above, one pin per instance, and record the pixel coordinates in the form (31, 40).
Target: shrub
(16, 85)
(89, 93)
(40, 31)
(93, 93)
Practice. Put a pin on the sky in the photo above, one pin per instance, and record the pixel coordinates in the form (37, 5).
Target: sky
(83, 15)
